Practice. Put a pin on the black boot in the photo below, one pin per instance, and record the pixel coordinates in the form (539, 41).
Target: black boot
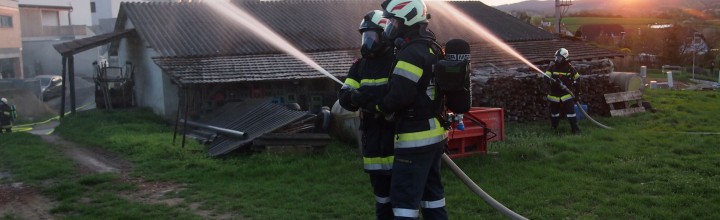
(574, 125)
(554, 121)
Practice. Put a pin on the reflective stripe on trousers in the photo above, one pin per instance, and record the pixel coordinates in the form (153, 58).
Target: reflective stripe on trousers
(382, 200)
(407, 213)
(433, 204)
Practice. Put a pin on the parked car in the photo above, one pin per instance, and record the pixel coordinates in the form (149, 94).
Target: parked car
(50, 86)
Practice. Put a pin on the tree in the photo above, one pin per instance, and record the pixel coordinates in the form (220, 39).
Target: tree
(522, 15)
(671, 52)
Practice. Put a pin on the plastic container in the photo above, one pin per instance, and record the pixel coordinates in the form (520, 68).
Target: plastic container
(579, 113)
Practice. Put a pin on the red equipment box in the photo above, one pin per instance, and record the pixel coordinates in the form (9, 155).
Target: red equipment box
(473, 140)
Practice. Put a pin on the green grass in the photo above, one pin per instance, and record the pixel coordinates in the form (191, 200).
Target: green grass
(648, 167)
(573, 23)
(30, 160)
(653, 74)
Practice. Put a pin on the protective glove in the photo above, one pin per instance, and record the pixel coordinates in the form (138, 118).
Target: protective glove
(360, 99)
(344, 98)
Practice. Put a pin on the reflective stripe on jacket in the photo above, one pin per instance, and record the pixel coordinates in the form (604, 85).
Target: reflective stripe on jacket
(411, 98)
(370, 76)
(566, 74)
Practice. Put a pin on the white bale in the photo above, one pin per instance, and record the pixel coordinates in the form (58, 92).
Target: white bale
(345, 124)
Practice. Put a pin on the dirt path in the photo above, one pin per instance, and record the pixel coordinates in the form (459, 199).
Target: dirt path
(90, 159)
(20, 202)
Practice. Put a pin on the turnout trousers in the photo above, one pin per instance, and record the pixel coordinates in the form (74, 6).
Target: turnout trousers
(416, 185)
(566, 107)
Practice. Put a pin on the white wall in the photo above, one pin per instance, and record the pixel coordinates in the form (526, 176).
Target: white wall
(153, 88)
(80, 14)
(105, 9)
(40, 57)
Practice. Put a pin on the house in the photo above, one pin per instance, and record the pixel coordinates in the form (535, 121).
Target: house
(104, 13)
(190, 50)
(45, 23)
(11, 45)
(592, 32)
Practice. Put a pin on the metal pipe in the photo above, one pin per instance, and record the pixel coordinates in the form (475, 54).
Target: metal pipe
(225, 131)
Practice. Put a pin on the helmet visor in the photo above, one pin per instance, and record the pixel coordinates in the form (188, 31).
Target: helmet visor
(559, 58)
(371, 42)
(392, 29)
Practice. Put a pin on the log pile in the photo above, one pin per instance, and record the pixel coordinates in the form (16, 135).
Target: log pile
(522, 92)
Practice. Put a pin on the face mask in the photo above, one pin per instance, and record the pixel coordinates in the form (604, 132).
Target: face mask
(371, 43)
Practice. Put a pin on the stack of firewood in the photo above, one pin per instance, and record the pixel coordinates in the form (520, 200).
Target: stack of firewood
(522, 92)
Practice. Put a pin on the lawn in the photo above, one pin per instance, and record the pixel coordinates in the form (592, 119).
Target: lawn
(572, 23)
(662, 165)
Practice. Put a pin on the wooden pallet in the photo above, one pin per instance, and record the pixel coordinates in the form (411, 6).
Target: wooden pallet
(632, 101)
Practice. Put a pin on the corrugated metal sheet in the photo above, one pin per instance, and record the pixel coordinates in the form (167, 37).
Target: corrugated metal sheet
(254, 117)
(196, 45)
(194, 29)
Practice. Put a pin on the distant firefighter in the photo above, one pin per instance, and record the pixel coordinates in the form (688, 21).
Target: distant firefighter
(561, 100)
(7, 115)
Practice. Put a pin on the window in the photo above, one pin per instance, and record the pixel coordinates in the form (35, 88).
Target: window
(6, 21)
(92, 7)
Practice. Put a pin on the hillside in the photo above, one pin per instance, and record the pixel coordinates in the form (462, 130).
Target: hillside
(618, 7)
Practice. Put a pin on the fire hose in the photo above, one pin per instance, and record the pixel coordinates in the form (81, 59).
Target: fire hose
(474, 187)
(478, 191)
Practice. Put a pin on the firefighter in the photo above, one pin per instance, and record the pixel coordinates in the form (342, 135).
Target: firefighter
(7, 115)
(415, 106)
(561, 100)
(367, 82)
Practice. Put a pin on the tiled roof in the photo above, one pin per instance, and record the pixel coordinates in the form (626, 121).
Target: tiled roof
(192, 29)
(284, 67)
(253, 67)
(536, 52)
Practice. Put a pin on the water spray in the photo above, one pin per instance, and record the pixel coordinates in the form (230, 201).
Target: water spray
(449, 11)
(262, 32)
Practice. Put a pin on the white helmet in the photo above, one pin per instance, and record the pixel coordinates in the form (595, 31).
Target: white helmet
(371, 29)
(402, 14)
(410, 11)
(561, 55)
(4, 100)
(373, 19)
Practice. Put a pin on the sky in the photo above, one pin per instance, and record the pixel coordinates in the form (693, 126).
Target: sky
(499, 2)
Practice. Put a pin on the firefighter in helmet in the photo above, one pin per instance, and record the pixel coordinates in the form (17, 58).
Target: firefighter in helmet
(560, 97)
(415, 106)
(7, 115)
(367, 82)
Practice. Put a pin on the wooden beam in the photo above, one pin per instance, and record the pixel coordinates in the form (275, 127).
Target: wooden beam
(627, 111)
(71, 75)
(623, 96)
(64, 86)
